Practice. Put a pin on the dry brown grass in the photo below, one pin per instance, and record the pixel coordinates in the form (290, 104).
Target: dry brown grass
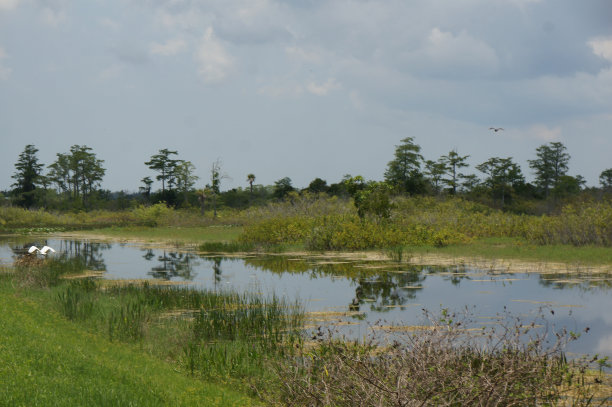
(445, 363)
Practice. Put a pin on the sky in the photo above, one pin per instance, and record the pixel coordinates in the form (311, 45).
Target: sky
(304, 88)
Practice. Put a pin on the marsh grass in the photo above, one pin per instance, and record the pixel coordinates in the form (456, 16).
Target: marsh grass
(218, 335)
(47, 360)
(32, 271)
(518, 248)
(397, 253)
(75, 303)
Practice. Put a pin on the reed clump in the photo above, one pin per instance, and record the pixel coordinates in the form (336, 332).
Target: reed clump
(33, 271)
(216, 334)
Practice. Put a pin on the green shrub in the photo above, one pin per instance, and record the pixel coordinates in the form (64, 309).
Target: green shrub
(347, 232)
(154, 215)
(586, 224)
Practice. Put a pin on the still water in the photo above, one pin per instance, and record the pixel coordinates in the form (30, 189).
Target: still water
(356, 294)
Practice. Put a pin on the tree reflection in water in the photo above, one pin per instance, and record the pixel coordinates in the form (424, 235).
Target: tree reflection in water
(217, 272)
(88, 253)
(173, 265)
(379, 286)
(584, 281)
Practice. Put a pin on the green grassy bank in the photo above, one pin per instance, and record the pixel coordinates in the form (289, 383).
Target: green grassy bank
(519, 249)
(47, 360)
(169, 234)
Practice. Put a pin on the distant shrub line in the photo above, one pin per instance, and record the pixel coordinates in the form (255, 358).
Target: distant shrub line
(432, 222)
(323, 223)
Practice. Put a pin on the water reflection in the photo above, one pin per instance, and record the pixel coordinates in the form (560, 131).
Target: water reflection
(376, 289)
(583, 281)
(90, 254)
(172, 265)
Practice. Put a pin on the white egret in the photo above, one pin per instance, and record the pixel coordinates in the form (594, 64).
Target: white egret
(42, 251)
(46, 249)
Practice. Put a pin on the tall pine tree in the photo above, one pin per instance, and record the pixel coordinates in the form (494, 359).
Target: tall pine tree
(27, 177)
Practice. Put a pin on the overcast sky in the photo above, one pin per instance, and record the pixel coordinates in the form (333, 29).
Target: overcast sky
(303, 88)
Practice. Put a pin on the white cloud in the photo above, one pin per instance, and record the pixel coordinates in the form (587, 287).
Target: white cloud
(170, 47)
(53, 17)
(187, 19)
(455, 55)
(108, 23)
(544, 133)
(356, 100)
(214, 62)
(4, 71)
(323, 88)
(9, 4)
(281, 90)
(303, 55)
(111, 72)
(602, 47)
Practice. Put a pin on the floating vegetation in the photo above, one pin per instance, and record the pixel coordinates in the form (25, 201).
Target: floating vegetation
(225, 247)
(498, 280)
(107, 284)
(85, 274)
(535, 302)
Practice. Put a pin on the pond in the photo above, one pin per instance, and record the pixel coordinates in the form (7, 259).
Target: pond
(353, 294)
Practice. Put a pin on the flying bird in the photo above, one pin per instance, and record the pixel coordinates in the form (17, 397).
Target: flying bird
(496, 129)
(43, 251)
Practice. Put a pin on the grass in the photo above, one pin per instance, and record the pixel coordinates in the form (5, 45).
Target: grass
(519, 249)
(47, 360)
(198, 234)
(225, 337)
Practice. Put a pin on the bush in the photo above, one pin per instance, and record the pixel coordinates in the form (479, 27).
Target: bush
(346, 232)
(154, 215)
(444, 363)
(586, 224)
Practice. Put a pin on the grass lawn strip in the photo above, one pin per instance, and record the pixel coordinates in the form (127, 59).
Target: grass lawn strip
(47, 360)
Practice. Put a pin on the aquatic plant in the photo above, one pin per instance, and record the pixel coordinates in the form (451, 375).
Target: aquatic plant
(129, 322)
(75, 300)
(48, 272)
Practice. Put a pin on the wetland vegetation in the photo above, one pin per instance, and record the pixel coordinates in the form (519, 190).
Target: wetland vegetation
(194, 345)
(260, 345)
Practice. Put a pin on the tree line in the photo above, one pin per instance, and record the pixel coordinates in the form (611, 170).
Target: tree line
(74, 181)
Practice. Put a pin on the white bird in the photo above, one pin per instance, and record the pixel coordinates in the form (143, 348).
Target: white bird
(43, 251)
